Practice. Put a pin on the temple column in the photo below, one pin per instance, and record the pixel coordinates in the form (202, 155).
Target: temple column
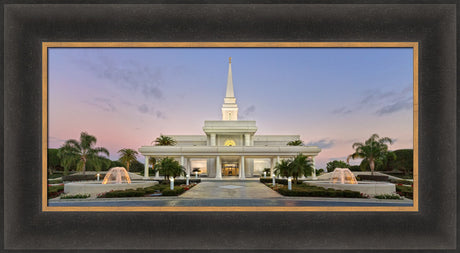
(157, 174)
(314, 168)
(218, 168)
(146, 167)
(188, 167)
(182, 161)
(278, 161)
(247, 140)
(242, 176)
(272, 166)
(213, 139)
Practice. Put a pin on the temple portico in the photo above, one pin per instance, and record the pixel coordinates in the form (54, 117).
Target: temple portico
(229, 147)
(221, 165)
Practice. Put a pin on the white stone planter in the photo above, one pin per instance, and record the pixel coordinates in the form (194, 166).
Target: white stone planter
(366, 187)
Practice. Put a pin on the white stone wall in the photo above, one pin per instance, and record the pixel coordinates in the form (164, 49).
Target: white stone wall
(222, 138)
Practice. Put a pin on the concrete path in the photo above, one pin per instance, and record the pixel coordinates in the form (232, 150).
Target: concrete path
(230, 190)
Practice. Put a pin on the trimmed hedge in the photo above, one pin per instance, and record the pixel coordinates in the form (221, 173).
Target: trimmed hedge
(177, 191)
(387, 196)
(125, 193)
(314, 191)
(278, 181)
(140, 192)
(76, 196)
(72, 178)
(180, 181)
(373, 177)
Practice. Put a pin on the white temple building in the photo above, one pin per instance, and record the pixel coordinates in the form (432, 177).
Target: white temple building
(229, 147)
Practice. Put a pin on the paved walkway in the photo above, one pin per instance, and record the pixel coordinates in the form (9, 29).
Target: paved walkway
(229, 193)
(230, 190)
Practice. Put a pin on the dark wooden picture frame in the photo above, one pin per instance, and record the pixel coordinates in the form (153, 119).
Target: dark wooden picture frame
(26, 26)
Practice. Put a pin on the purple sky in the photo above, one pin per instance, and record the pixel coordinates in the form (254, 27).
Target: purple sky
(331, 97)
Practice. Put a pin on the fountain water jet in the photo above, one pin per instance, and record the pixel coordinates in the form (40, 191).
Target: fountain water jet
(117, 178)
(117, 175)
(344, 179)
(343, 176)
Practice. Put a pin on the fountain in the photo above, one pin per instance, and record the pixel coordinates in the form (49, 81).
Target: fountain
(117, 175)
(117, 178)
(344, 179)
(343, 176)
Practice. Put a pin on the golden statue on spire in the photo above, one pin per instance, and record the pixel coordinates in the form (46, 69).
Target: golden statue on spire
(229, 59)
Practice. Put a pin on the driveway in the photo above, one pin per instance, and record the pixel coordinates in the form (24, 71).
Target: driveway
(230, 190)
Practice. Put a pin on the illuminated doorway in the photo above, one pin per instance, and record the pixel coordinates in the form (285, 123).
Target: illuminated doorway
(230, 169)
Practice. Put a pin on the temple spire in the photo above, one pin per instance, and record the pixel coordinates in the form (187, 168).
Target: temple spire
(229, 108)
(229, 93)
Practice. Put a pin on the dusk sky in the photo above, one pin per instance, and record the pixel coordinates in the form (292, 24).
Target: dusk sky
(331, 97)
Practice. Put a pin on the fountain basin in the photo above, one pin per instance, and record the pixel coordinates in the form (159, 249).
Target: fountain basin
(95, 187)
(370, 188)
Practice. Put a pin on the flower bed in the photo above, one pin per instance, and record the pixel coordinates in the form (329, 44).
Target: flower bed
(158, 190)
(55, 190)
(76, 196)
(305, 190)
(387, 196)
(405, 191)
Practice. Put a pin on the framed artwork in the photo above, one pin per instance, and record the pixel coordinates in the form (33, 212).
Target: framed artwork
(40, 41)
(229, 169)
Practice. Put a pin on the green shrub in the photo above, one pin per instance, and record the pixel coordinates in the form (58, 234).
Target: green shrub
(55, 190)
(314, 191)
(180, 181)
(76, 196)
(332, 165)
(406, 191)
(177, 191)
(278, 181)
(55, 181)
(404, 161)
(387, 196)
(140, 192)
(125, 193)
(355, 168)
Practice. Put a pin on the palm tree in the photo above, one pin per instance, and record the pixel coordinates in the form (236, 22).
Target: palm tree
(301, 166)
(372, 150)
(283, 168)
(170, 168)
(127, 156)
(295, 143)
(82, 151)
(164, 140)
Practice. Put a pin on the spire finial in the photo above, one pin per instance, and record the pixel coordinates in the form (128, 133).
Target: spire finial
(229, 59)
